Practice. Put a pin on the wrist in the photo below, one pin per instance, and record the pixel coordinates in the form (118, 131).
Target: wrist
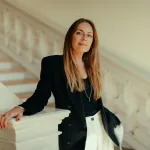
(20, 108)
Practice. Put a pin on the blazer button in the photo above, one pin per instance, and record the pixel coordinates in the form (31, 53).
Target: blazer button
(92, 118)
(69, 124)
(68, 142)
(69, 106)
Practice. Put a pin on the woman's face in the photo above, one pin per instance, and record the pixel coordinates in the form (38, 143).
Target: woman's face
(82, 38)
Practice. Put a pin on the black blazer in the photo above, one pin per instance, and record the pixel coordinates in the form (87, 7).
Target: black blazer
(53, 79)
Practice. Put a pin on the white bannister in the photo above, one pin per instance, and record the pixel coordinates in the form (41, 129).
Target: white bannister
(128, 96)
(8, 99)
(36, 132)
(26, 39)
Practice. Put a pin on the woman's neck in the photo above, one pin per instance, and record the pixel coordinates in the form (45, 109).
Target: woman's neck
(81, 66)
(78, 59)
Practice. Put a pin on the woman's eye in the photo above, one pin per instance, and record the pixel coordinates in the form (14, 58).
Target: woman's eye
(89, 35)
(78, 33)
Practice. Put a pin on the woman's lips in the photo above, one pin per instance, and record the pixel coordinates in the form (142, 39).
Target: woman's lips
(82, 44)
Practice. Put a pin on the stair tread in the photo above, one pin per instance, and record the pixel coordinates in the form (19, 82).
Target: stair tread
(15, 82)
(6, 60)
(116, 148)
(127, 149)
(12, 70)
(24, 95)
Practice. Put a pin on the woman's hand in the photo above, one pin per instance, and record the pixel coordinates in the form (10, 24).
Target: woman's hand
(15, 112)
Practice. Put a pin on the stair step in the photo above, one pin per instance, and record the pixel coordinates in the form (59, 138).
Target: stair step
(127, 149)
(24, 81)
(15, 76)
(12, 70)
(23, 88)
(116, 148)
(8, 65)
(6, 60)
(24, 95)
(12, 74)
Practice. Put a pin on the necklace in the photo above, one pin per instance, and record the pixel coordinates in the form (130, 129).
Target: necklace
(89, 97)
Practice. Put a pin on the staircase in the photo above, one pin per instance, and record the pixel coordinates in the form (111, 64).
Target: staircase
(16, 78)
(27, 39)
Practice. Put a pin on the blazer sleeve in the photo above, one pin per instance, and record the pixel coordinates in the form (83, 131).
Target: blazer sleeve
(40, 97)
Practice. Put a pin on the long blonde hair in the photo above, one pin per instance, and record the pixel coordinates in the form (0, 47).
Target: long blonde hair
(90, 58)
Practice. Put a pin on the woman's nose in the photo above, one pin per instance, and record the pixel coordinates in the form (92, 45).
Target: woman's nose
(84, 37)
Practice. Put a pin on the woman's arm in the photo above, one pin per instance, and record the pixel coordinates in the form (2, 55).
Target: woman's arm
(40, 97)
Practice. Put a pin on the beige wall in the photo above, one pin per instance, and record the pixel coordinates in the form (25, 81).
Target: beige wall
(123, 25)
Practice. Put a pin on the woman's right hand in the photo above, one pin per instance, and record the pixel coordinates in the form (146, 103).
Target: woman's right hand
(16, 112)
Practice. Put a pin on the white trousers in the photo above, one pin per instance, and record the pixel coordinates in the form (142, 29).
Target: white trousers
(97, 138)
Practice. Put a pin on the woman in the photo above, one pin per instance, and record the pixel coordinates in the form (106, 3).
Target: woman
(75, 81)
